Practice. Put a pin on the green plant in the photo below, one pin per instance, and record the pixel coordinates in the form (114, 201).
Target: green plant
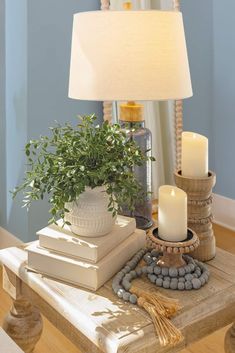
(71, 159)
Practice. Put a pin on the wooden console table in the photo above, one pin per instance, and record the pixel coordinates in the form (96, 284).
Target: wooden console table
(99, 322)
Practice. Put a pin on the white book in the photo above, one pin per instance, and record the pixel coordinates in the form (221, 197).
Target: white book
(79, 272)
(65, 242)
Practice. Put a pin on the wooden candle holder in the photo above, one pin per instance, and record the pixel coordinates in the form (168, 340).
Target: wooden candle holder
(199, 191)
(173, 251)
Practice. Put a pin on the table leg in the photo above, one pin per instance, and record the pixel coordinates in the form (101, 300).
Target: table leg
(229, 342)
(23, 324)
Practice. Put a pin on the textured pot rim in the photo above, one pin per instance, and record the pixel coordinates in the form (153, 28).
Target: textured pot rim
(101, 188)
(97, 189)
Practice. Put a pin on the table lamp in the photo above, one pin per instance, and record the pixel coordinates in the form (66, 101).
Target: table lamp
(129, 56)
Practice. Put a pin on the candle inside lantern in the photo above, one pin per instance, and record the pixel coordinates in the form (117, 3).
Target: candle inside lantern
(172, 213)
(194, 160)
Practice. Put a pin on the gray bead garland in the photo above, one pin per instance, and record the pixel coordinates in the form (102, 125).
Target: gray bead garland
(181, 285)
(157, 270)
(165, 271)
(182, 279)
(152, 278)
(133, 299)
(166, 284)
(150, 269)
(181, 271)
(202, 280)
(174, 285)
(120, 292)
(188, 285)
(193, 275)
(173, 272)
(159, 282)
(126, 296)
(188, 277)
(196, 283)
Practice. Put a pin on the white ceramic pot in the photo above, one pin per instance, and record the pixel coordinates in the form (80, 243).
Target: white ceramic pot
(89, 215)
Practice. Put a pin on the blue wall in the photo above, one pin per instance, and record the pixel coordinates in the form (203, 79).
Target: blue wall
(38, 39)
(198, 110)
(2, 116)
(210, 33)
(16, 109)
(224, 96)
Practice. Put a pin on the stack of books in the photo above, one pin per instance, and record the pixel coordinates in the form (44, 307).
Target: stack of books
(84, 261)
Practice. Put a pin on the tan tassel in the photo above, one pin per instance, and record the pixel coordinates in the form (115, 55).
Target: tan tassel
(163, 305)
(171, 305)
(168, 334)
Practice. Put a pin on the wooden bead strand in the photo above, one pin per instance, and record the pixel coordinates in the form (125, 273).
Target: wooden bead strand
(178, 123)
(178, 115)
(176, 5)
(107, 106)
(107, 111)
(105, 4)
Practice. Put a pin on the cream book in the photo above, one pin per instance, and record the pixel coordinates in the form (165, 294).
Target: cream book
(65, 242)
(78, 272)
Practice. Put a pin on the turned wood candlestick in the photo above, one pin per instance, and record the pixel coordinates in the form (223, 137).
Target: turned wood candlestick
(199, 191)
(172, 251)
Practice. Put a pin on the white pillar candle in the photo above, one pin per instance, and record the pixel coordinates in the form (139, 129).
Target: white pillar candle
(194, 162)
(172, 213)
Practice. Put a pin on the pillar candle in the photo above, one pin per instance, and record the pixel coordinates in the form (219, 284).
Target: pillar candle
(172, 213)
(194, 162)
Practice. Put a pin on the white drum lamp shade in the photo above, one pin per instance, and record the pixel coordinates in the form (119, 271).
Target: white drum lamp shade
(129, 55)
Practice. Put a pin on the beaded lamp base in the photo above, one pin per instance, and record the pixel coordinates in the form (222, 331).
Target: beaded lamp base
(173, 251)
